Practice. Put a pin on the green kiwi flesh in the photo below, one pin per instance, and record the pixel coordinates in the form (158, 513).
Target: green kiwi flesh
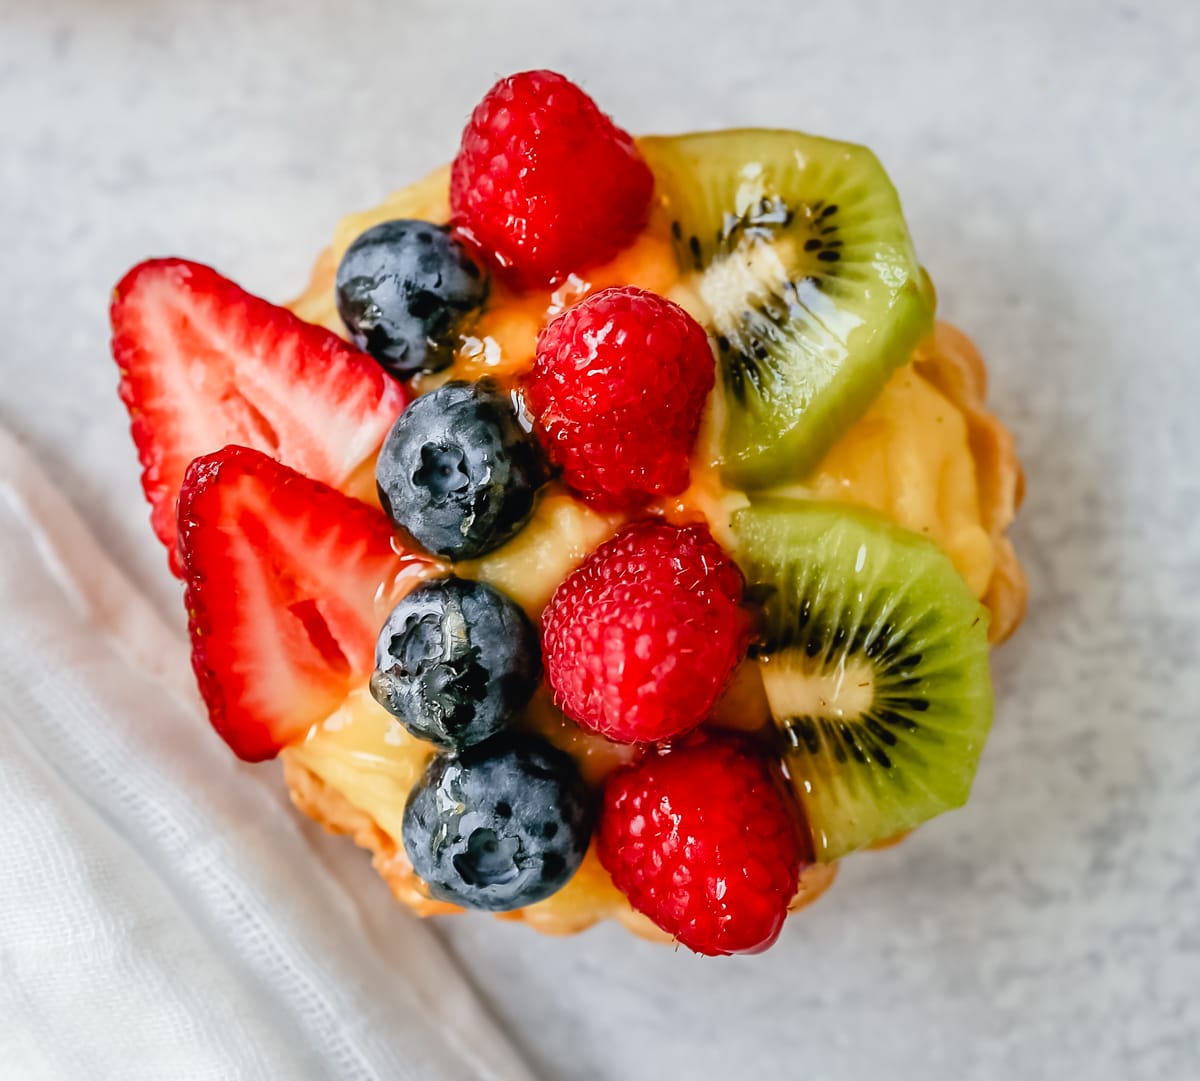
(874, 656)
(799, 250)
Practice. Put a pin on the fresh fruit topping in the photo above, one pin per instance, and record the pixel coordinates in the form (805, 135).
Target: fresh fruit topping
(405, 290)
(799, 250)
(617, 391)
(283, 575)
(703, 839)
(544, 181)
(642, 638)
(455, 661)
(501, 826)
(205, 364)
(457, 472)
(874, 658)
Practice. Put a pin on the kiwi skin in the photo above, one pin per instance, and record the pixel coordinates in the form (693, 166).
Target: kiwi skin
(798, 247)
(874, 655)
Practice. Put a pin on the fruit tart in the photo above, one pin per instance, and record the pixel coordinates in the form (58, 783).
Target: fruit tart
(608, 531)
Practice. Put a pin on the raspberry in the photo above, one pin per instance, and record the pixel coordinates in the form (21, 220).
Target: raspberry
(544, 182)
(703, 840)
(617, 392)
(640, 640)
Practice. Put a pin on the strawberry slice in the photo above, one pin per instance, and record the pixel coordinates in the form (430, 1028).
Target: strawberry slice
(204, 364)
(287, 584)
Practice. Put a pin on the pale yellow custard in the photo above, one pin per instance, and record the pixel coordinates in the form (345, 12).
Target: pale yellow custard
(923, 454)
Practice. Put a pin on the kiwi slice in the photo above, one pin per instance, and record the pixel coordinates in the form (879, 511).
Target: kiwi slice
(799, 251)
(874, 657)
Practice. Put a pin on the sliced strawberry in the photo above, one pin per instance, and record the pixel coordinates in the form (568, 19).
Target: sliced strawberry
(204, 364)
(288, 582)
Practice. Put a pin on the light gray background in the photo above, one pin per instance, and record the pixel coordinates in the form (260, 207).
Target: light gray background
(1047, 155)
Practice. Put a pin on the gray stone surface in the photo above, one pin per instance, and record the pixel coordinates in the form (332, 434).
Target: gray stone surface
(1047, 154)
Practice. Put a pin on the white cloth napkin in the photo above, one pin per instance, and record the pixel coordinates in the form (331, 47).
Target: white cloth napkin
(163, 912)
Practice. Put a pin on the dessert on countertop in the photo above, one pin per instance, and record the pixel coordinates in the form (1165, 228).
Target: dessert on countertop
(608, 531)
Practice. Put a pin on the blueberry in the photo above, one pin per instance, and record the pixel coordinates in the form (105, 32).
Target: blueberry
(455, 661)
(404, 290)
(503, 826)
(457, 472)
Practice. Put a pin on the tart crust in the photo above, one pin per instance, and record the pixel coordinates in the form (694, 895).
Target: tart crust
(950, 361)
